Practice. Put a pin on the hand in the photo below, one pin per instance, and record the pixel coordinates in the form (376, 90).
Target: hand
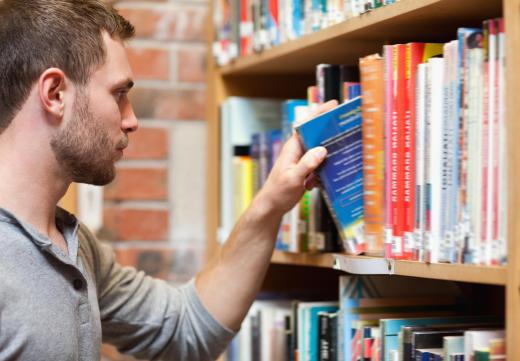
(292, 173)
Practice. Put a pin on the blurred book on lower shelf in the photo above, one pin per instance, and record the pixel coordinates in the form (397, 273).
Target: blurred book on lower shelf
(374, 319)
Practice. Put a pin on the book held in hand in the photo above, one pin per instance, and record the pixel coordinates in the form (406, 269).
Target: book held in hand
(341, 174)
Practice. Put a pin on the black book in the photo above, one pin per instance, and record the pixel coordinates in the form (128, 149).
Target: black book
(323, 337)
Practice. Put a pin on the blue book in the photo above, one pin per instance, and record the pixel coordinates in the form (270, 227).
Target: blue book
(308, 327)
(341, 174)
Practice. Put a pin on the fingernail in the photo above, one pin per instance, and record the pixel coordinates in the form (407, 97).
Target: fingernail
(320, 152)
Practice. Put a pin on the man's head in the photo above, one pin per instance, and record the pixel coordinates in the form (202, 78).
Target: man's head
(69, 53)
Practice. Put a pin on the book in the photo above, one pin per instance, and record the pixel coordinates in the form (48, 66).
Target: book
(341, 174)
(372, 82)
(453, 346)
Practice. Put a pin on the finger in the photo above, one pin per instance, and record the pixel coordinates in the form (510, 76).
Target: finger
(291, 152)
(322, 108)
(310, 161)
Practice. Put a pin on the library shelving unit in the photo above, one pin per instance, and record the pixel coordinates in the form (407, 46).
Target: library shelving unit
(286, 70)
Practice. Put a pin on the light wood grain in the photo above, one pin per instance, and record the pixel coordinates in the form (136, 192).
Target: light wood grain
(512, 23)
(440, 271)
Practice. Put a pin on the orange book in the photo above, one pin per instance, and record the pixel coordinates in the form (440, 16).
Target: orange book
(373, 112)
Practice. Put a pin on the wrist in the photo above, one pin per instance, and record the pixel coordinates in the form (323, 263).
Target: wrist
(264, 205)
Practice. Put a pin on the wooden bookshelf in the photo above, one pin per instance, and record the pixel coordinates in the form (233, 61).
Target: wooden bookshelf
(286, 70)
(345, 43)
(440, 271)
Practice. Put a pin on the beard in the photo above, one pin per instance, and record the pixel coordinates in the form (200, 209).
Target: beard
(84, 149)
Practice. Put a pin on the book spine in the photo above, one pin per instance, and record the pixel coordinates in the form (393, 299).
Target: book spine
(503, 206)
(420, 160)
(323, 337)
(434, 134)
(372, 82)
(495, 138)
(486, 152)
(388, 150)
(409, 155)
(398, 149)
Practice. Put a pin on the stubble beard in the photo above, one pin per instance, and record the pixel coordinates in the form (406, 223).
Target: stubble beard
(84, 149)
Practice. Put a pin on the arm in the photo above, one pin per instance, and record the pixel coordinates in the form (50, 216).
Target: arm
(229, 284)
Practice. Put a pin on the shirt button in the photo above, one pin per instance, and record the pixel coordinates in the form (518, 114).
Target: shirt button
(78, 284)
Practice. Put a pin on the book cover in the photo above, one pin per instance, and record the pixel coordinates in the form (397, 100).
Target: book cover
(341, 175)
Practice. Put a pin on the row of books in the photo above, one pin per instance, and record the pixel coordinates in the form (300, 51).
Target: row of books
(369, 323)
(417, 172)
(243, 27)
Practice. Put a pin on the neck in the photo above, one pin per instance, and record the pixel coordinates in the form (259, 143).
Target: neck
(30, 185)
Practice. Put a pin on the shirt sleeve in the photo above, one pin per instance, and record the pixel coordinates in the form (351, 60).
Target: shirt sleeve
(147, 318)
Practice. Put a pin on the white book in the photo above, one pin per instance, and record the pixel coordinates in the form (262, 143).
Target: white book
(474, 119)
(435, 76)
(475, 340)
(245, 336)
(420, 161)
(502, 164)
(452, 345)
(492, 161)
(450, 164)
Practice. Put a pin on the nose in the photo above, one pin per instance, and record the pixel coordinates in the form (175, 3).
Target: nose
(129, 123)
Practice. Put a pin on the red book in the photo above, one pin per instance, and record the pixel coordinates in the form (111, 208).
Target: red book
(398, 149)
(246, 28)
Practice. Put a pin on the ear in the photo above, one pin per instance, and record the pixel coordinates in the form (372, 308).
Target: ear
(51, 86)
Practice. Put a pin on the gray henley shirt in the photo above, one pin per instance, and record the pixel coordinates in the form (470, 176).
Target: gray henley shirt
(59, 307)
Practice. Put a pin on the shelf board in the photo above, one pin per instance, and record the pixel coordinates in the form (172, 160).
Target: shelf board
(492, 275)
(344, 43)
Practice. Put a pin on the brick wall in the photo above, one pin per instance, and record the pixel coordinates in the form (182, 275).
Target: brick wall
(154, 212)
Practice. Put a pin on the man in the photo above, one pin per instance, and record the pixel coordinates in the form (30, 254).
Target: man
(65, 117)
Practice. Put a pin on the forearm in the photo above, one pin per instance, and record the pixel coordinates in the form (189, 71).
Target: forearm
(229, 284)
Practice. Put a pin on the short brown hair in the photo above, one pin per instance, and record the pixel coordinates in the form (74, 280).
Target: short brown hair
(39, 34)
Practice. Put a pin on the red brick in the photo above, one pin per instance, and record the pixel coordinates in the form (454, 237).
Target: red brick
(156, 262)
(148, 143)
(192, 65)
(135, 224)
(149, 64)
(185, 23)
(169, 104)
(138, 184)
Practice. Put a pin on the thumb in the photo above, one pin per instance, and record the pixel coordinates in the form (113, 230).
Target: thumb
(310, 161)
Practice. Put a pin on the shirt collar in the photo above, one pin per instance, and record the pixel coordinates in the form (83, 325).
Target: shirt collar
(66, 222)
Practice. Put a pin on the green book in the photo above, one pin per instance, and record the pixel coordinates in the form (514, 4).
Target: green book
(482, 355)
